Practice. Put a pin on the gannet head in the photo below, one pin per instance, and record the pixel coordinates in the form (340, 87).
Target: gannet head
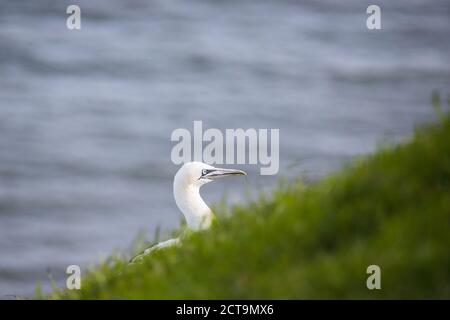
(197, 174)
(186, 185)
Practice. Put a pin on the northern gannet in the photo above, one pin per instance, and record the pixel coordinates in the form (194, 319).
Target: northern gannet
(186, 190)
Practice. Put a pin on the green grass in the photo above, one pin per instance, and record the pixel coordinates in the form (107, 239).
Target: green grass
(313, 241)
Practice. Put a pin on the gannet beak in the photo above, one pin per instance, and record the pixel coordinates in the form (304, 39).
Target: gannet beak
(219, 172)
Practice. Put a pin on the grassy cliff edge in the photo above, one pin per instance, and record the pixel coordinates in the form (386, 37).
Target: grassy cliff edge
(391, 209)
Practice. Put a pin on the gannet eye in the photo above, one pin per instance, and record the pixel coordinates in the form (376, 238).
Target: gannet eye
(204, 172)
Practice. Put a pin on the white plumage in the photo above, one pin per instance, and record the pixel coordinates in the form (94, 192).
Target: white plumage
(186, 190)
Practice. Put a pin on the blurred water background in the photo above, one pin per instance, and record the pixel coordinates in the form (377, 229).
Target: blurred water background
(86, 116)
